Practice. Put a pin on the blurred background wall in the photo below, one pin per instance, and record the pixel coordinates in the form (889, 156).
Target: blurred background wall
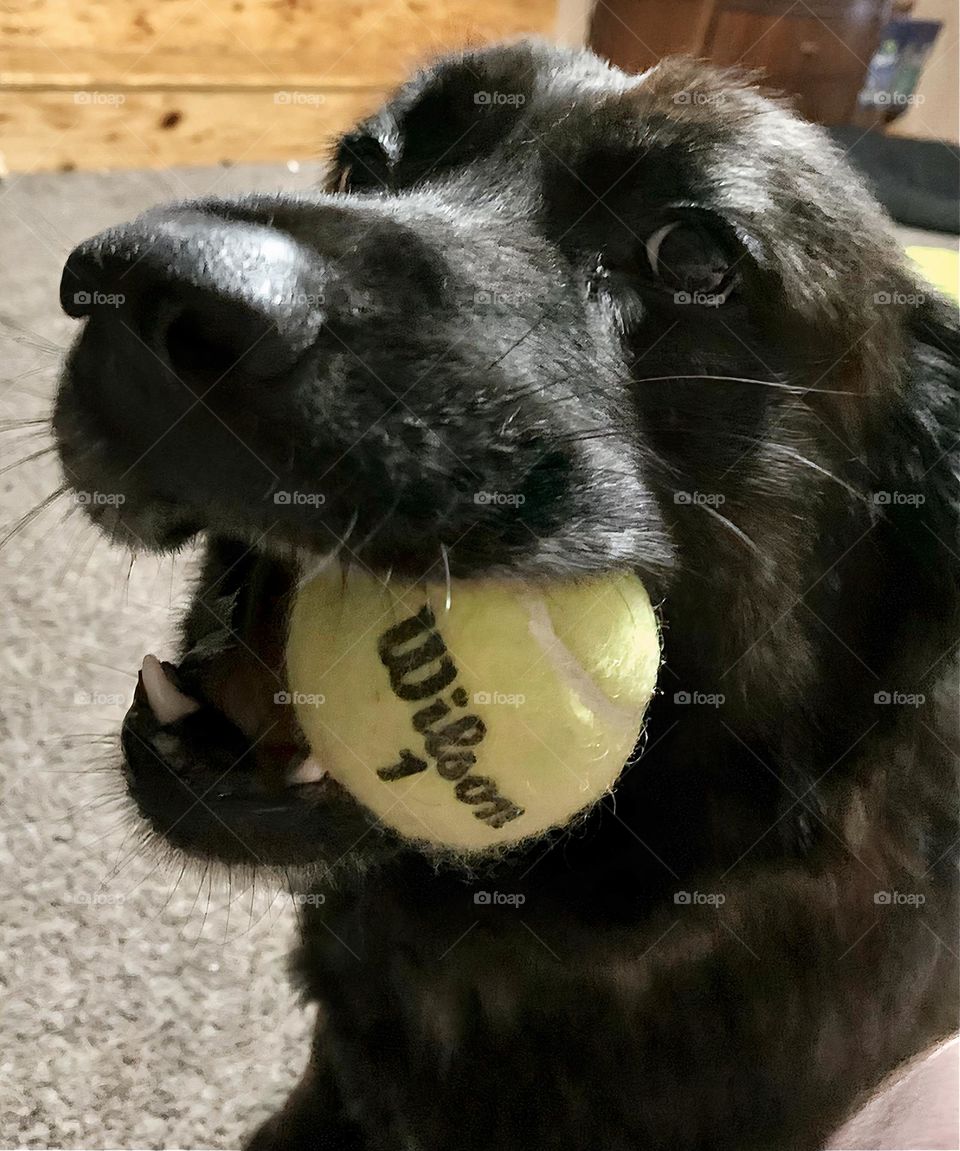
(935, 113)
(819, 52)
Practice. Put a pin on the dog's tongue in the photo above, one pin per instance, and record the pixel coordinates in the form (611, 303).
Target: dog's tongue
(167, 701)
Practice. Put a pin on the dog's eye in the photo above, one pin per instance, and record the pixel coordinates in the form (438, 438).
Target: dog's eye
(686, 257)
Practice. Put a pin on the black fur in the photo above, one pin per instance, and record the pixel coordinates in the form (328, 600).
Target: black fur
(780, 466)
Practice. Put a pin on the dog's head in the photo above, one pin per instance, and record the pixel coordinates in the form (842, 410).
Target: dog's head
(546, 319)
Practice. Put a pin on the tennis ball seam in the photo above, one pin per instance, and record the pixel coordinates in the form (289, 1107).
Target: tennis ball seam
(566, 664)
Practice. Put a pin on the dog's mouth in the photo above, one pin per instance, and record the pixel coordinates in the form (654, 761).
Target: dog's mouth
(214, 756)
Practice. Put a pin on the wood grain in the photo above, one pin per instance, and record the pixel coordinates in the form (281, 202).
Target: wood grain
(152, 83)
(322, 43)
(44, 131)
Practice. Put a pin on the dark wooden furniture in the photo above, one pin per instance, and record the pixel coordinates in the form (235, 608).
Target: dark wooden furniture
(816, 51)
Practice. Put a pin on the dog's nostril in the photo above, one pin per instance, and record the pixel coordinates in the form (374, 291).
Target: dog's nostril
(207, 340)
(192, 349)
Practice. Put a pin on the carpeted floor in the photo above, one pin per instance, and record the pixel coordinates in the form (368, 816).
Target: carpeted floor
(140, 1008)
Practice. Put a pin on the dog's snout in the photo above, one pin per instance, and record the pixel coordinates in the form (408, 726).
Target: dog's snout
(203, 294)
(412, 359)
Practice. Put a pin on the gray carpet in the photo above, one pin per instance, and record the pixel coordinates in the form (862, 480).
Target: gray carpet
(141, 1008)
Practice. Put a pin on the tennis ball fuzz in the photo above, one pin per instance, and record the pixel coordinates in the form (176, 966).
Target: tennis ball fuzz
(474, 716)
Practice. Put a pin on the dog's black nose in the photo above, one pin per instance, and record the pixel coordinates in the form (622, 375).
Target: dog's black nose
(205, 294)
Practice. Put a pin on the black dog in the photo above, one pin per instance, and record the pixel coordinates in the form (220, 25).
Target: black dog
(664, 311)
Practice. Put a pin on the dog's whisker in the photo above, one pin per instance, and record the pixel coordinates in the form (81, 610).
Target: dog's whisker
(32, 426)
(448, 602)
(116, 802)
(140, 853)
(128, 574)
(12, 382)
(296, 908)
(83, 543)
(241, 890)
(25, 459)
(796, 389)
(230, 897)
(308, 565)
(206, 910)
(28, 517)
(82, 530)
(127, 820)
(84, 772)
(28, 338)
(196, 898)
(720, 434)
(160, 862)
(377, 528)
(737, 531)
(802, 459)
(270, 906)
(95, 542)
(520, 340)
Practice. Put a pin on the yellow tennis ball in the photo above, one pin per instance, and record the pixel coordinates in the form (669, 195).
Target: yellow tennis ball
(476, 716)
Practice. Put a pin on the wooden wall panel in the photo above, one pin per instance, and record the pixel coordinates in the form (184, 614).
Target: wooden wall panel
(339, 42)
(122, 83)
(157, 129)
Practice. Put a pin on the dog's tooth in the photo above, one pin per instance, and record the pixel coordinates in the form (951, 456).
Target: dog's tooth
(167, 701)
(309, 771)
